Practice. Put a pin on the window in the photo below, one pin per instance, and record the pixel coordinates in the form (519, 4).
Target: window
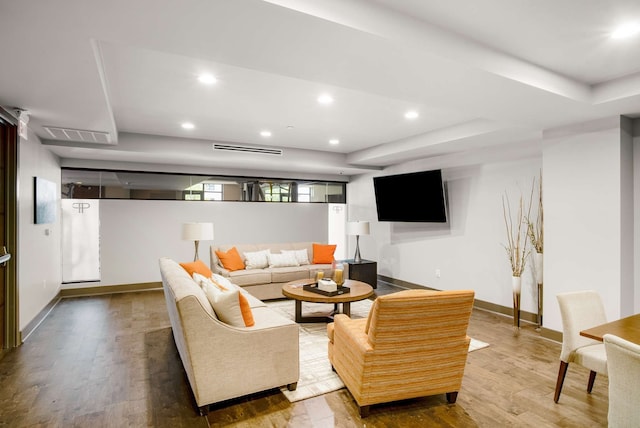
(204, 191)
(304, 193)
(212, 191)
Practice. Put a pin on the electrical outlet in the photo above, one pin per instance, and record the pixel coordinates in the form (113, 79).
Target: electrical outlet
(437, 273)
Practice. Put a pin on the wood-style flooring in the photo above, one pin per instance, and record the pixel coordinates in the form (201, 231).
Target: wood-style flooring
(110, 361)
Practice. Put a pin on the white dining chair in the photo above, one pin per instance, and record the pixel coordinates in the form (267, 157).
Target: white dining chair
(623, 359)
(580, 310)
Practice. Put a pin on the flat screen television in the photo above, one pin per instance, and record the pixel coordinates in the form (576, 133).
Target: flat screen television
(413, 197)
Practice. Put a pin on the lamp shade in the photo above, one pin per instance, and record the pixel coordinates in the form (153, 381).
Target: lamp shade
(197, 231)
(358, 228)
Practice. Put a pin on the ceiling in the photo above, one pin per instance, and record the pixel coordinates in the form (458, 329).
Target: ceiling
(481, 75)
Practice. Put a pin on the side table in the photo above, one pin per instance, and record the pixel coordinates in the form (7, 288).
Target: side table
(364, 270)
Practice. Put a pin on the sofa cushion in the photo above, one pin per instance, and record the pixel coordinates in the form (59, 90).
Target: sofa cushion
(267, 318)
(282, 260)
(286, 274)
(231, 259)
(197, 266)
(250, 277)
(323, 253)
(230, 306)
(256, 259)
(302, 256)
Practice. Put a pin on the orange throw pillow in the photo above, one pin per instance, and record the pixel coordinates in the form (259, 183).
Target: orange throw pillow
(197, 267)
(245, 308)
(323, 254)
(230, 260)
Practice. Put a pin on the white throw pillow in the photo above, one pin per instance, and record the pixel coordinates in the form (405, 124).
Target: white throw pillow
(256, 259)
(202, 280)
(282, 260)
(302, 256)
(224, 281)
(228, 305)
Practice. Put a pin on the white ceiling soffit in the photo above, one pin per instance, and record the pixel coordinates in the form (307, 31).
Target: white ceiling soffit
(78, 135)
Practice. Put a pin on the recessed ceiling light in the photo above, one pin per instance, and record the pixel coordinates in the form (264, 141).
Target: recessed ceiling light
(188, 125)
(325, 99)
(626, 30)
(207, 79)
(334, 141)
(265, 133)
(411, 114)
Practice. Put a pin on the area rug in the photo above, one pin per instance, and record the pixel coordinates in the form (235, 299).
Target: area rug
(316, 376)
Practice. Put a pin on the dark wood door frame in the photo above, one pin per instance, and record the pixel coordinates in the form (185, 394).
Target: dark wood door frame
(9, 147)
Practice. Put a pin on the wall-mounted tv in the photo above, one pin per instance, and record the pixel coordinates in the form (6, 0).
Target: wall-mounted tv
(413, 197)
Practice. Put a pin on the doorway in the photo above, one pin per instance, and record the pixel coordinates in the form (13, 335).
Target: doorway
(9, 336)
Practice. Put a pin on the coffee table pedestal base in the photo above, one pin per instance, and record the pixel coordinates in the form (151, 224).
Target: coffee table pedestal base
(346, 309)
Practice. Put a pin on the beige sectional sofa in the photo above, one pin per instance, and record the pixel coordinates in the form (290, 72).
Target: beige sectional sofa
(223, 361)
(266, 283)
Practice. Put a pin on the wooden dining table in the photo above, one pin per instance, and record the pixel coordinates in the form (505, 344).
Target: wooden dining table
(627, 328)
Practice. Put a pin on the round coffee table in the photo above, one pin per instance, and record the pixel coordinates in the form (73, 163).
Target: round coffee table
(357, 291)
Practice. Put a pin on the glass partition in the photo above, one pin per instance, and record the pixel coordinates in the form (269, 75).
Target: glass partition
(108, 184)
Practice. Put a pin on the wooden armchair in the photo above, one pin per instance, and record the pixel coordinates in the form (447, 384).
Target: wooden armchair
(413, 344)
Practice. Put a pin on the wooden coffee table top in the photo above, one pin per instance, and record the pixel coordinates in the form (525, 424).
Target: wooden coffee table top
(359, 291)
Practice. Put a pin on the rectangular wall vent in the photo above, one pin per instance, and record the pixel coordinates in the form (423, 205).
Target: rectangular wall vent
(78, 135)
(247, 149)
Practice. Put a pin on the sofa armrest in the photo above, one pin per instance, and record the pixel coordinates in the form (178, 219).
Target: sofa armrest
(227, 362)
(214, 263)
(351, 333)
(216, 268)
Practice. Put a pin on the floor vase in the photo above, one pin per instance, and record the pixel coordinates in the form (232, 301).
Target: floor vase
(516, 283)
(538, 269)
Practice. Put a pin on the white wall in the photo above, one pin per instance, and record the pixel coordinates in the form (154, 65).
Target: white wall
(468, 250)
(585, 217)
(134, 234)
(39, 265)
(589, 171)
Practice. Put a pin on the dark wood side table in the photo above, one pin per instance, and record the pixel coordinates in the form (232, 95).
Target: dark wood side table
(365, 271)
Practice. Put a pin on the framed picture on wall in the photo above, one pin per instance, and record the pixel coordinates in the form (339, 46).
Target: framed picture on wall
(46, 199)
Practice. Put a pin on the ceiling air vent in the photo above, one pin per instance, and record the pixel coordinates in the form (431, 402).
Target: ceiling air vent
(246, 149)
(78, 135)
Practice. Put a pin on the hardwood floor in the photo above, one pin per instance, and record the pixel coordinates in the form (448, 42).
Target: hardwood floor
(110, 360)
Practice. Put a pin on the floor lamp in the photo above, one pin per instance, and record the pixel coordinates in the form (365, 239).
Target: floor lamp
(357, 228)
(197, 232)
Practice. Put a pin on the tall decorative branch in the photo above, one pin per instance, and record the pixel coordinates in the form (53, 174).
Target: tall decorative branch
(535, 229)
(517, 237)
